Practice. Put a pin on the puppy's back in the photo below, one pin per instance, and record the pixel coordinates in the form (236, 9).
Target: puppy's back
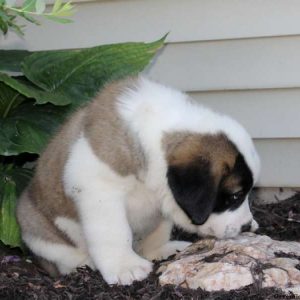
(44, 199)
(107, 135)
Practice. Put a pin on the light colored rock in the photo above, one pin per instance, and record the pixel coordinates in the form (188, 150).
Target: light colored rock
(234, 263)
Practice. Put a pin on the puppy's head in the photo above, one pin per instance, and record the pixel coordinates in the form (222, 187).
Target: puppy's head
(210, 181)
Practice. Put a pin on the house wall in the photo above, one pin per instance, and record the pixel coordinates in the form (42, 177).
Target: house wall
(239, 57)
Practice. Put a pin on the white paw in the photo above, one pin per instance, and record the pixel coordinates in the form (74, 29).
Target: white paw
(170, 248)
(180, 245)
(131, 268)
(254, 226)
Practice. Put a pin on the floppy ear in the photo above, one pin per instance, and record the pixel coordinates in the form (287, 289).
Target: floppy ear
(194, 189)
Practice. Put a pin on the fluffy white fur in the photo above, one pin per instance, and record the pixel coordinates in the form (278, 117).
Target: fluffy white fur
(154, 109)
(225, 224)
(118, 213)
(67, 258)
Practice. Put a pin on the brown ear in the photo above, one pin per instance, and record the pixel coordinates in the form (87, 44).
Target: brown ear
(193, 188)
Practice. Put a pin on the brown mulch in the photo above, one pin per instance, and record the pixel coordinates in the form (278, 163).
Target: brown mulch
(280, 221)
(22, 279)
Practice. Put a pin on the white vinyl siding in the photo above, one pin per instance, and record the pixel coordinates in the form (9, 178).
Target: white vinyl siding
(231, 64)
(280, 162)
(260, 111)
(113, 21)
(239, 57)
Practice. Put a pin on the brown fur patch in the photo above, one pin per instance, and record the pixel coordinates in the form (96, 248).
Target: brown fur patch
(46, 189)
(36, 223)
(183, 148)
(108, 135)
(232, 184)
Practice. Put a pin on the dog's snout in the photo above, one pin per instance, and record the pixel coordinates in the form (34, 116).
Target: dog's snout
(246, 227)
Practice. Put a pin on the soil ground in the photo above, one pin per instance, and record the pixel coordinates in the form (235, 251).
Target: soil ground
(22, 279)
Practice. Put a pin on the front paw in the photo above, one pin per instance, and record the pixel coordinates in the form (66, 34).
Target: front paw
(168, 249)
(254, 226)
(131, 268)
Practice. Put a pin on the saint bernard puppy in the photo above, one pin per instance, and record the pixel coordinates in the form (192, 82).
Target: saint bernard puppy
(124, 169)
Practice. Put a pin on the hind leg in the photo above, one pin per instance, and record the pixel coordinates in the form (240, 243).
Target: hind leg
(48, 266)
(66, 258)
(48, 241)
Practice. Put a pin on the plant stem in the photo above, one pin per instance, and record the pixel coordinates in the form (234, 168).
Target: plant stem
(26, 12)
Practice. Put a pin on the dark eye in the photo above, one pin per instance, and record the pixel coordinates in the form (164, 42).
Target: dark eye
(236, 196)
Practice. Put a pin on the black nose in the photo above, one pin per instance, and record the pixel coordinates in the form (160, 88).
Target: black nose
(246, 227)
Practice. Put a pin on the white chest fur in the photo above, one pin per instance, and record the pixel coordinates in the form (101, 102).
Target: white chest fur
(143, 211)
(100, 187)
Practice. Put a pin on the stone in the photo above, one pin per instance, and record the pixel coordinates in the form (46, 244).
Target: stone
(229, 264)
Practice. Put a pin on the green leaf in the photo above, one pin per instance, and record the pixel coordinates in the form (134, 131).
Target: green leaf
(59, 19)
(3, 26)
(29, 128)
(28, 5)
(4, 15)
(9, 100)
(12, 183)
(26, 127)
(10, 3)
(68, 6)
(28, 18)
(25, 87)
(40, 6)
(57, 5)
(79, 74)
(64, 13)
(5, 19)
(66, 10)
(16, 28)
(10, 60)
